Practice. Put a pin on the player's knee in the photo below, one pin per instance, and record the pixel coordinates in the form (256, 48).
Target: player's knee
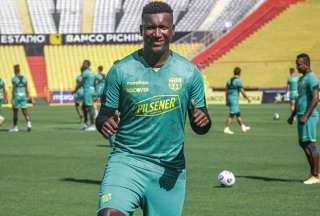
(110, 212)
(312, 148)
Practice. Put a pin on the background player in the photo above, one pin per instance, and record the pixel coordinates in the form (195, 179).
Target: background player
(2, 92)
(292, 88)
(153, 89)
(20, 96)
(2, 98)
(234, 86)
(78, 98)
(307, 115)
(99, 86)
(87, 83)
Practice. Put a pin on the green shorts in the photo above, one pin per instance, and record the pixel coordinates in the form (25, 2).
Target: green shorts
(293, 95)
(78, 98)
(308, 132)
(129, 183)
(234, 107)
(88, 98)
(19, 102)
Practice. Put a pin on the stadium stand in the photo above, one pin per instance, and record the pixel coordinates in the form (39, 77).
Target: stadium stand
(130, 20)
(63, 62)
(266, 56)
(9, 21)
(197, 12)
(11, 55)
(41, 16)
(23, 15)
(70, 15)
(105, 16)
(179, 8)
(88, 16)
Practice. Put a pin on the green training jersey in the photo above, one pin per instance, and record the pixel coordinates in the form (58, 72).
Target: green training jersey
(89, 78)
(153, 106)
(78, 81)
(293, 83)
(2, 87)
(233, 88)
(100, 77)
(306, 84)
(20, 84)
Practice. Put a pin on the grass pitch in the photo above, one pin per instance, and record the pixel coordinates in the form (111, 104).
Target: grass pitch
(55, 170)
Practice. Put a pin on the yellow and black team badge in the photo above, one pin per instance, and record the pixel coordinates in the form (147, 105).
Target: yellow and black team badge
(175, 83)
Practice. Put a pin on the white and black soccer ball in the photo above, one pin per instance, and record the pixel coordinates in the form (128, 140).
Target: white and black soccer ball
(2, 119)
(275, 116)
(226, 178)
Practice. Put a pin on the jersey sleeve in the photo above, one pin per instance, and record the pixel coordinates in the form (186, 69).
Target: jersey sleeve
(239, 84)
(313, 83)
(197, 89)
(112, 89)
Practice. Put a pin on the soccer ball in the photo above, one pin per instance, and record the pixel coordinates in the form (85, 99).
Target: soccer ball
(2, 119)
(226, 178)
(276, 116)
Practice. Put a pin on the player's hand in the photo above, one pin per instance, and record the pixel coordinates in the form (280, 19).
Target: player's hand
(290, 120)
(110, 126)
(200, 118)
(303, 119)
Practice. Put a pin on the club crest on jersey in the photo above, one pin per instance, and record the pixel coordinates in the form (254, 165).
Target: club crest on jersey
(175, 83)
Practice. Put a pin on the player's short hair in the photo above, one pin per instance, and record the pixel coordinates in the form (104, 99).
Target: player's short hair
(236, 71)
(100, 68)
(291, 70)
(305, 57)
(155, 7)
(88, 61)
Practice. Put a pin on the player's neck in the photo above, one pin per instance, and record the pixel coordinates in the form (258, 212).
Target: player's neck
(155, 59)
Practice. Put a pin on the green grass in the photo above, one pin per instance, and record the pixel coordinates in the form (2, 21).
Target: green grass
(55, 170)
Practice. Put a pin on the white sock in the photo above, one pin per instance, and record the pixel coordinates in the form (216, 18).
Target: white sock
(29, 124)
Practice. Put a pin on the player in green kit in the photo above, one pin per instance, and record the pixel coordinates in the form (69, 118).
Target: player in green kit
(2, 97)
(78, 97)
(99, 85)
(234, 87)
(20, 95)
(154, 89)
(292, 87)
(307, 115)
(87, 83)
(2, 92)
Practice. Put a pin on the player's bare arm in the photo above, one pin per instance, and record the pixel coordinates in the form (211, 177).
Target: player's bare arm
(244, 94)
(107, 121)
(199, 119)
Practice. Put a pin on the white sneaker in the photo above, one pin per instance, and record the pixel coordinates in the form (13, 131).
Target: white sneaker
(228, 131)
(29, 126)
(14, 129)
(245, 128)
(90, 128)
(83, 126)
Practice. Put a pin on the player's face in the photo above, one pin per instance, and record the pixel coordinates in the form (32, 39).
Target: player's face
(301, 65)
(16, 70)
(157, 31)
(85, 65)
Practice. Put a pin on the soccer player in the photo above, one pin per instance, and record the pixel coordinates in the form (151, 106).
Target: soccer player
(87, 83)
(99, 85)
(78, 97)
(234, 86)
(20, 95)
(292, 87)
(307, 115)
(154, 88)
(2, 92)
